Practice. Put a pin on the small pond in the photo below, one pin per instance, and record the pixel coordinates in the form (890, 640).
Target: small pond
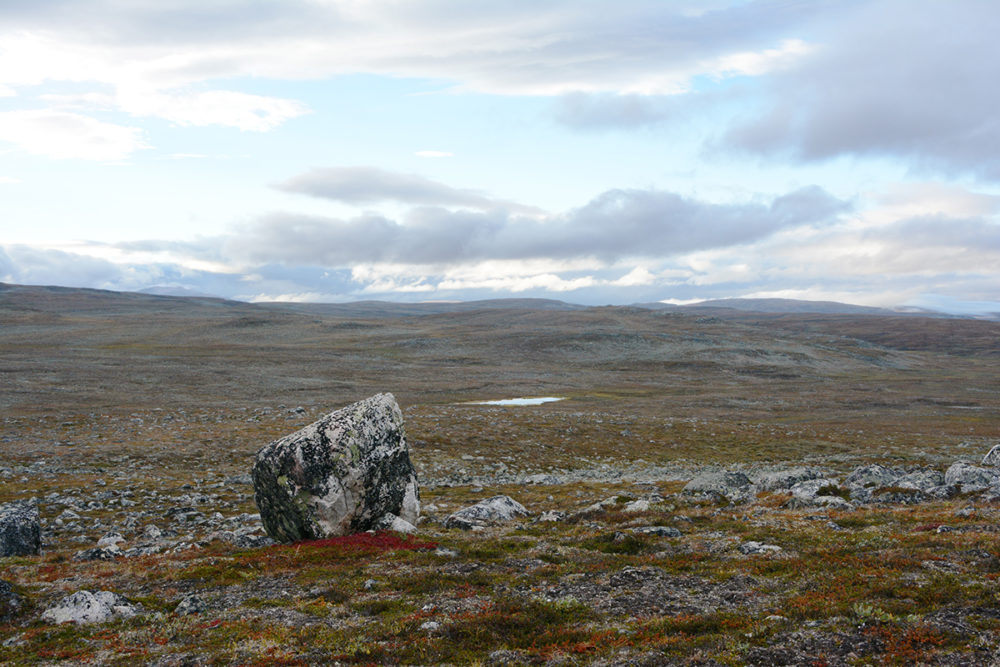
(518, 401)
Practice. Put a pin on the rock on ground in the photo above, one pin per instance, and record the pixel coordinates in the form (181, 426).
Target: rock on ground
(782, 480)
(11, 604)
(992, 457)
(20, 530)
(970, 477)
(492, 511)
(339, 475)
(87, 607)
(733, 485)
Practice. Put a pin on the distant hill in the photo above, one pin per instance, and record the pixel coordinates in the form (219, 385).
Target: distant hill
(378, 309)
(174, 290)
(786, 306)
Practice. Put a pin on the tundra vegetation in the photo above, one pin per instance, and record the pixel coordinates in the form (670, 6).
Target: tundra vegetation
(132, 421)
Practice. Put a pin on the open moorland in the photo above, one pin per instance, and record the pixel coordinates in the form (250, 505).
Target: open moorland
(139, 416)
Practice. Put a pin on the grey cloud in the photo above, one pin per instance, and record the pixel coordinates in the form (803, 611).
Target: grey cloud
(368, 185)
(505, 46)
(617, 224)
(907, 78)
(36, 266)
(591, 111)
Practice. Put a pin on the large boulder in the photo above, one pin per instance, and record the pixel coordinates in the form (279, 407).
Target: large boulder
(341, 474)
(86, 607)
(20, 529)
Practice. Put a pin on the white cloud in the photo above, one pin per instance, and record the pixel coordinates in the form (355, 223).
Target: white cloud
(215, 107)
(434, 154)
(757, 63)
(9, 180)
(63, 135)
(640, 275)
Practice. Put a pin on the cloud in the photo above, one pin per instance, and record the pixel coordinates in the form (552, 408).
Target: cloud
(434, 154)
(63, 135)
(253, 113)
(42, 266)
(616, 224)
(901, 78)
(9, 180)
(642, 46)
(368, 185)
(589, 111)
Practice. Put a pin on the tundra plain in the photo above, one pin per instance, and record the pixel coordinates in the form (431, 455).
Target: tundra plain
(129, 411)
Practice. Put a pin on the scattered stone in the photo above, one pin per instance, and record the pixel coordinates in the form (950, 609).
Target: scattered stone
(751, 548)
(99, 553)
(636, 506)
(245, 479)
(20, 529)
(659, 531)
(86, 607)
(542, 479)
(489, 512)
(394, 523)
(732, 485)
(607, 503)
(190, 604)
(11, 604)
(339, 475)
(808, 492)
(110, 540)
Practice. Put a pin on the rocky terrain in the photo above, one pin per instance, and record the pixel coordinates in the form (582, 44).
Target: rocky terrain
(709, 492)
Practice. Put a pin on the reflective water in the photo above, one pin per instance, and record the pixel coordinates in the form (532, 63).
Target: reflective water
(519, 401)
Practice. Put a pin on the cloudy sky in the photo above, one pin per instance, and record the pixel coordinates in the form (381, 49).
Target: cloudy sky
(596, 152)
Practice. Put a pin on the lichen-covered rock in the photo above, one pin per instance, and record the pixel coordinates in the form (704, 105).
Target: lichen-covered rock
(492, 511)
(11, 604)
(992, 457)
(781, 480)
(339, 475)
(971, 478)
(732, 485)
(818, 493)
(925, 479)
(86, 607)
(872, 476)
(20, 530)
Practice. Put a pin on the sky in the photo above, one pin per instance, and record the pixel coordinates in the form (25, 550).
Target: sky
(591, 151)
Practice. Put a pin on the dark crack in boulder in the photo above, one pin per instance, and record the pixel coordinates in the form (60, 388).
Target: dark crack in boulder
(340, 475)
(20, 529)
